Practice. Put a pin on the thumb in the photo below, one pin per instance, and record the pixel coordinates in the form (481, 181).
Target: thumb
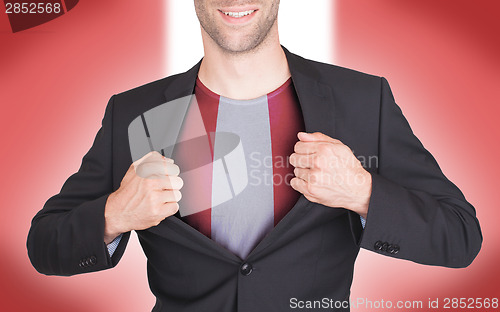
(146, 156)
(316, 137)
(152, 156)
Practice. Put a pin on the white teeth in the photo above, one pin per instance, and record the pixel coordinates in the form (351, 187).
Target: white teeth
(239, 14)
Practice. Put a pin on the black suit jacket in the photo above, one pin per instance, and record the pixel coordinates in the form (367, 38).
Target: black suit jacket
(415, 212)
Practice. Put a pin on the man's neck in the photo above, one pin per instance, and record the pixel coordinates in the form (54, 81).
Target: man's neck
(244, 76)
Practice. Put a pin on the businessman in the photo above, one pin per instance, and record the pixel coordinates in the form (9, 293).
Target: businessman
(265, 243)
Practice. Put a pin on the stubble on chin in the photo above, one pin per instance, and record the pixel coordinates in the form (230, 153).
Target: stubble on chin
(250, 43)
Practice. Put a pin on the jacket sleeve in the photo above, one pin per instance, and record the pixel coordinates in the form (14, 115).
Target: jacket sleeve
(67, 236)
(415, 212)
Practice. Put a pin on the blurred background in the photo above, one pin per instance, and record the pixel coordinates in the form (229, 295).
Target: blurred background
(440, 57)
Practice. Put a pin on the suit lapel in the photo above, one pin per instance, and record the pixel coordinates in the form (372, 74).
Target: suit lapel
(183, 85)
(181, 88)
(158, 128)
(315, 98)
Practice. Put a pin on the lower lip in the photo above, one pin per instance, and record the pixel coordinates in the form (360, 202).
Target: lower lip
(237, 20)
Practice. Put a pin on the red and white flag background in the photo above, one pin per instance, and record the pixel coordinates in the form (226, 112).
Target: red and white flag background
(441, 58)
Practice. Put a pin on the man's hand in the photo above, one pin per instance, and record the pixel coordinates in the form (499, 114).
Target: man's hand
(327, 172)
(148, 193)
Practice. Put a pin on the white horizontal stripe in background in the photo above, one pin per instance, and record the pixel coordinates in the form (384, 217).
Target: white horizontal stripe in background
(306, 28)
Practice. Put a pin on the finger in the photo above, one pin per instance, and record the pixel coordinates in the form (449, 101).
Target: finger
(301, 186)
(302, 173)
(152, 154)
(171, 169)
(165, 183)
(302, 161)
(169, 160)
(303, 147)
(170, 196)
(311, 176)
(298, 184)
(171, 208)
(172, 183)
(316, 137)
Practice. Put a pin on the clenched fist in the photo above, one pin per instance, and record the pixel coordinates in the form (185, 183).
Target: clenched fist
(327, 172)
(148, 193)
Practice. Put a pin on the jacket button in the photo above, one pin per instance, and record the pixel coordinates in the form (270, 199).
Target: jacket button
(395, 249)
(378, 245)
(385, 245)
(390, 249)
(246, 269)
(93, 260)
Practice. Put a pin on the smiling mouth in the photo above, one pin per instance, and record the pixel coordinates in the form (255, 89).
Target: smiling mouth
(239, 14)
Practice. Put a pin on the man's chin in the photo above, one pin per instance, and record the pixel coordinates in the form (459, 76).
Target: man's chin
(240, 46)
